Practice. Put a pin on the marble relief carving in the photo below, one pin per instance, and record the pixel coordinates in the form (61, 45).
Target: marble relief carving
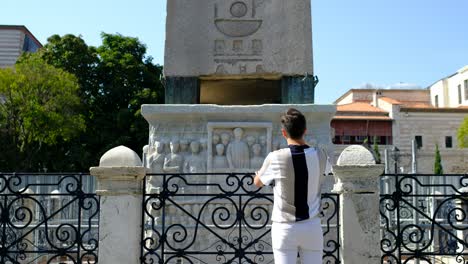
(238, 146)
(195, 163)
(213, 147)
(174, 161)
(238, 22)
(177, 148)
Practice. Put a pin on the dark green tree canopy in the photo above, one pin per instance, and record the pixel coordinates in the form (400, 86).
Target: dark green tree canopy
(438, 169)
(40, 110)
(113, 80)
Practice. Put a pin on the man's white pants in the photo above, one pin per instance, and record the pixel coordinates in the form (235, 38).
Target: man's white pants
(305, 237)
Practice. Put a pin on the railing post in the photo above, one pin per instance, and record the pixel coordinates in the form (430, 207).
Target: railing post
(357, 181)
(119, 183)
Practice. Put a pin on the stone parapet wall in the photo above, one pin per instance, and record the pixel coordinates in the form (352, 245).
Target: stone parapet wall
(212, 138)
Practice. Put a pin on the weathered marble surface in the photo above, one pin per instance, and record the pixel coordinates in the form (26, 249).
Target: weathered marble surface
(119, 176)
(232, 138)
(238, 37)
(357, 177)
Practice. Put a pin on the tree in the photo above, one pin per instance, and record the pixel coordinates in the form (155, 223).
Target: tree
(462, 134)
(378, 158)
(39, 111)
(115, 79)
(438, 169)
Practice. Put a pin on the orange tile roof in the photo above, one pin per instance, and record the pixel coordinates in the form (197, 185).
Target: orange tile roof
(416, 104)
(361, 117)
(359, 107)
(390, 100)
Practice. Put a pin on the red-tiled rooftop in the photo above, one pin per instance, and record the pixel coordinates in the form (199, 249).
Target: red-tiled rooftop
(416, 104)
(359, 107)
(361, 117)
(389, 100)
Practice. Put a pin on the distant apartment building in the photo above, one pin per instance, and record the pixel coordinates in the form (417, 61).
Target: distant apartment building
(396, 117)
(14, 40)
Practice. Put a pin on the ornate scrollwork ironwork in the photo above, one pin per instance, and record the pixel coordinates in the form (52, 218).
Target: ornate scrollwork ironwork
(424, 219)
(217, 218)
(48, 218)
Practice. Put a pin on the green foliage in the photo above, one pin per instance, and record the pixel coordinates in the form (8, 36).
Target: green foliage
(378, 158)
(114, 80)
(438, 169)
(462, 134)
(39, 111)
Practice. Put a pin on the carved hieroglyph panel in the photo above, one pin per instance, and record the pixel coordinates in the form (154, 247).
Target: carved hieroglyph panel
(238, 48)
(238, 146)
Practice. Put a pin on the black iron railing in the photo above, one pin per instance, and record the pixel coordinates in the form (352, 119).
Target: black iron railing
(424, 218)
(48, 218)
(217, 218)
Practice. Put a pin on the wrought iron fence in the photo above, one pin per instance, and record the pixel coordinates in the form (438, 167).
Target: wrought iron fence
(217, 218)
(48, 218)
(424, 218)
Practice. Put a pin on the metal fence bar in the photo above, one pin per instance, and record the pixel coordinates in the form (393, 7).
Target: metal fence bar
(217, 218)
(48, 218)
(424, 218)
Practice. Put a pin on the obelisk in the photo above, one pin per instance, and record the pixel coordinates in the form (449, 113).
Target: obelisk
(236, 44)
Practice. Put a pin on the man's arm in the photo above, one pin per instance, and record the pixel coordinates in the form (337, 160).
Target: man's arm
(264, 175)
(257, 181)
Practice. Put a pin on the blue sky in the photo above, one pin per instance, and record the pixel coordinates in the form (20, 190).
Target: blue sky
(382, 42)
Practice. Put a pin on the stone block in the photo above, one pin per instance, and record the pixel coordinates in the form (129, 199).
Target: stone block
(238, 37)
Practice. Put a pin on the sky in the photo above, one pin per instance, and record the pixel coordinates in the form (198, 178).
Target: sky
(356, 42)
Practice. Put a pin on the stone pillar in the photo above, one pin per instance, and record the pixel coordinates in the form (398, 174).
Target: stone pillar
(357, 182)
(120, 184)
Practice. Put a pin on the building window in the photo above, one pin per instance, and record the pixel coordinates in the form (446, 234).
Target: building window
(466, 89)
(419, 141)
(360, 139)
(459, 94)
(346, 139)
(436, 101)
(448, 142)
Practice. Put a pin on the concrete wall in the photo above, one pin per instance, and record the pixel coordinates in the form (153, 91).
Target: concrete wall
(433, 127)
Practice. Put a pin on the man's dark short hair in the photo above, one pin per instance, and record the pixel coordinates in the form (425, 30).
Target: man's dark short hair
(294, 122)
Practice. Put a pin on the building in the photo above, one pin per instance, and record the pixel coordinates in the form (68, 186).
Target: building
(15, 40)
(396, 117)
(451, 91)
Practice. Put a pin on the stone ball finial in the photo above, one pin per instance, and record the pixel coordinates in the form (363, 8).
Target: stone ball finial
(120, 156)
(356, 155)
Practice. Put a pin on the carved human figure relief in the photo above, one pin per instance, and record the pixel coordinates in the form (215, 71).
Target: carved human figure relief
(257, 160)
(194, 163)
(174, 161)
(225, 139)
(263, 143)
(238, 151)
(219, 160)
(204, 147)
(184, 148)
(215, 139)
(251, 140)
(146, 153)
(156, 160)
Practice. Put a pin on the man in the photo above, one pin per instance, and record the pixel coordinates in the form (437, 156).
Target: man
(296, 172)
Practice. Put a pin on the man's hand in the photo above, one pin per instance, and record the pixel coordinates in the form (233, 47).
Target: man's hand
(257, 181)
